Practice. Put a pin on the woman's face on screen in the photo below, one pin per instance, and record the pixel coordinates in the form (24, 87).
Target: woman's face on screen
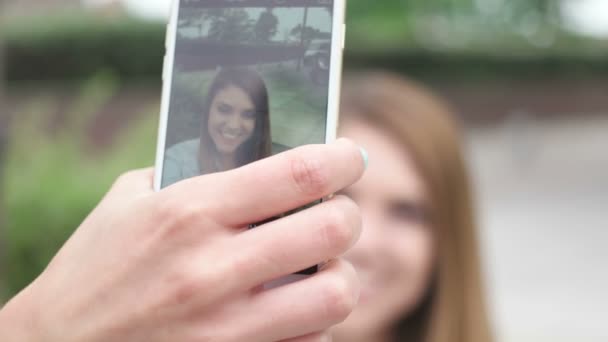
(232, 119)
(395, 255)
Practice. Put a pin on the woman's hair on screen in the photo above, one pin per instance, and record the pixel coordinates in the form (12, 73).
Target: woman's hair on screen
(260, 144)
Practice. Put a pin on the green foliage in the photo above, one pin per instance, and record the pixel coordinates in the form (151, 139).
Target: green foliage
(76, 46)
(53, 180)
(378, 22)
(309, 34)
(266, 26)
(234, 25)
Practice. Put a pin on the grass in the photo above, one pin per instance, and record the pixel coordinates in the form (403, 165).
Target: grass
(52, 181)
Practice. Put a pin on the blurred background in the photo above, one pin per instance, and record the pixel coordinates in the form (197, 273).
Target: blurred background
(79, 104)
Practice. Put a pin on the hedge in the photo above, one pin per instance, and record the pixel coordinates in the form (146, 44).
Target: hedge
(51, 180)
(77, 46)
(71, 46)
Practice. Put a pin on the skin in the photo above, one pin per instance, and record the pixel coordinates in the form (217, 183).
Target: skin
(178, 265)
(395, 255)
(232, 120)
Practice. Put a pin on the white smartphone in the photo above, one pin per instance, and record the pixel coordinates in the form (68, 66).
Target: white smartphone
(247, 79)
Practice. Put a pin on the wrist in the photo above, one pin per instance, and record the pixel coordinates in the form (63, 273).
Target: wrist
(18, 322)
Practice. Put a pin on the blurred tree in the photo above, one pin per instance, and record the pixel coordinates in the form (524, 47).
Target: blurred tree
(267, 26)
(193, 18)
(548, 10)
(387, 8)
(309, 34)
(406, 9)
(233, 25)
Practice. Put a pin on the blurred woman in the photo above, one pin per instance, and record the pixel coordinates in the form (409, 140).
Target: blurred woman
(417, 258)
(235, 128)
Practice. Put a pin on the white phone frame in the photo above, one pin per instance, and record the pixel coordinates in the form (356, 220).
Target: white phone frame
(335, 76)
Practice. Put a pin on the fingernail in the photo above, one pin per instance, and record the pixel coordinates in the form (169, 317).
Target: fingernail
(365, 156)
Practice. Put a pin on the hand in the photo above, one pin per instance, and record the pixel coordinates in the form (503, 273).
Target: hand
(180, 265)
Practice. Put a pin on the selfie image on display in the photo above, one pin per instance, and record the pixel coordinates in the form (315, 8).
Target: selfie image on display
(250, 79)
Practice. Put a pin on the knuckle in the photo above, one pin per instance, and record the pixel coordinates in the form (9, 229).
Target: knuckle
(185, 286)
(340, 298)
(178, 216)
(201, 334)
(338, 230)
(325, 337)
(309, 175)
(125, 178)
(242, 264)
(165, 208)
(351, 208)
(187, 214)
(317, 337)
(353, 217)
(189, 285)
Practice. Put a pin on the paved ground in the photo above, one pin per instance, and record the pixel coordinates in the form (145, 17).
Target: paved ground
(543, 191)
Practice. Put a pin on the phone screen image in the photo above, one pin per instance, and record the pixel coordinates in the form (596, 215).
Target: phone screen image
(245, 80)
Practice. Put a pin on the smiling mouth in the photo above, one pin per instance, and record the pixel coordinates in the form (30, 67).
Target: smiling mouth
(229, 136)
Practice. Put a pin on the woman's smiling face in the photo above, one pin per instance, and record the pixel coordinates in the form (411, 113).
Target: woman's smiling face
(395, 255)
(232, 119)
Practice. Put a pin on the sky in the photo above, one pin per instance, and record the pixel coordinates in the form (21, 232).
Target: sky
(585, 16)
(152, 9)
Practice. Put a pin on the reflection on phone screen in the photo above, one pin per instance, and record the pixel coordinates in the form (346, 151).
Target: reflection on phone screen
(249, 79)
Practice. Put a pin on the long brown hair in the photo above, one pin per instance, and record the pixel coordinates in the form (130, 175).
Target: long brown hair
(453, 309)
(260, 144)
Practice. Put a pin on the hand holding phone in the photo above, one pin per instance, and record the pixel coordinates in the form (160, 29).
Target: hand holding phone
(176, 266)
(246, 80)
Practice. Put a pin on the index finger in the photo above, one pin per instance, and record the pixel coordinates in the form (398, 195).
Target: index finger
(278, 184)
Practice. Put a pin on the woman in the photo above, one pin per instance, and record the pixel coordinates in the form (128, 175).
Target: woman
(417, 258)
(235, 128)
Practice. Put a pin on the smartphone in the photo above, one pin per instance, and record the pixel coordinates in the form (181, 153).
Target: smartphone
(246, 79)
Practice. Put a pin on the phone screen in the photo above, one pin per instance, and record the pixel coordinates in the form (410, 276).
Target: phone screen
(248, 79)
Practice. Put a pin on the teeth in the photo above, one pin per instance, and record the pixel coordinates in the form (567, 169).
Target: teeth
(229, 136)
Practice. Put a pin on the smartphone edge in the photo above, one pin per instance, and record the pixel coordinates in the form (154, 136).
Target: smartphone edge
(167, 80)
(335, 77)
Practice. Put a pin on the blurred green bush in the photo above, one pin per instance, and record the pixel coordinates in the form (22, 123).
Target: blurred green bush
(53, 179)
(75, 46)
